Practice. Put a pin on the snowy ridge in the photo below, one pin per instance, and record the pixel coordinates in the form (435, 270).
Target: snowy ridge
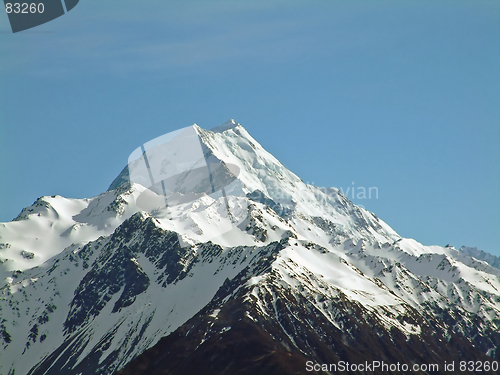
(263, 172)
(90, 284)
(481, 255)
(53, 223)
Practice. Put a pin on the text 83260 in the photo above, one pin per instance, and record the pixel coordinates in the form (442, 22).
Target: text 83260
(24, 8)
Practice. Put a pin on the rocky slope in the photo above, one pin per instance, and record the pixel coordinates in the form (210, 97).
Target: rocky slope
(272, 276)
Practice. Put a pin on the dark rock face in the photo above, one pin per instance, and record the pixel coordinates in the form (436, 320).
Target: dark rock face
(116, 274)
(294, 340)
(289, 335)
(245, 348)
(116, 270)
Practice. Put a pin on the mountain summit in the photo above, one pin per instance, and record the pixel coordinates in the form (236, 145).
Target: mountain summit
(227, 262)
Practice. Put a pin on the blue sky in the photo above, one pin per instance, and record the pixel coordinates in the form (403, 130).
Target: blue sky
(403, 96)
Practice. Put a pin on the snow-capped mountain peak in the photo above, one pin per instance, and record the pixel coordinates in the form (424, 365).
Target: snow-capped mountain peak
(212, 236)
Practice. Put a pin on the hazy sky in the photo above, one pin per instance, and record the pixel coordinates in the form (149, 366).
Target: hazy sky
(403, 96)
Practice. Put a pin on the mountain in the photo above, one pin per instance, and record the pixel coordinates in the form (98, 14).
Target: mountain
(481, 255)
(251, 271)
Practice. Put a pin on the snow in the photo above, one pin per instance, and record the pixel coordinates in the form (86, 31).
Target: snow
(55, 223)
(332, 247)
(215, 313)
(334, 271)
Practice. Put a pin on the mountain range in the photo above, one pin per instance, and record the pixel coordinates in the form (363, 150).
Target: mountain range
(271, 276)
